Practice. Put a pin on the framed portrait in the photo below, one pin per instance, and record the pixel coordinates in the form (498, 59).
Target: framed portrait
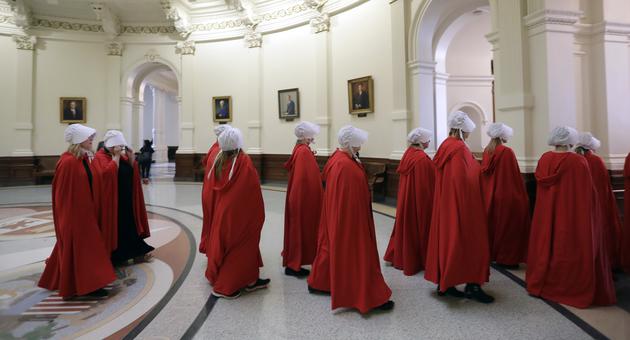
(289, 104)
(222, 109)
(72, 110)
(361, 95)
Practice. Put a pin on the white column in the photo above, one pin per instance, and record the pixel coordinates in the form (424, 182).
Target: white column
(324, 143)
(159, 112)
(441, 111)
(513, 99)
(187, 87)
(400, 112)
(422, 99)
(254, 87)
(551, 34)
(137, 112)
(112, 96)
(23, 129)
(126, 121)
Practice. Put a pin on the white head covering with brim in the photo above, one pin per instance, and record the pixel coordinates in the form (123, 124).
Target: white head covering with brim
(114, 138)
(500, 130)
(563, 135)
(306, 130)
(218, 130)
(587, 141)
(460, 120)
(77, 133)
(351, 137)
(419, 135)
(231, 139)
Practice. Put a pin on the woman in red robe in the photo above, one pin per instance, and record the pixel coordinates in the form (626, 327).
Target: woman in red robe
(609, 222)
(505, 198)
(458, 249)
(407, 249)
(347, 263)
(207, 162)
(564, 243)
(303, 203)
(120, 201)
(237, 213)
(625, 245)
(79, 263)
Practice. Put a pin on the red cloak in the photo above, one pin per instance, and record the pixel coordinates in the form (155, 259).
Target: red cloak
(106, 199)
(347, 262)
(625, 246)
(564, 243)
(237, 213)
(79, 263)
(609, 216)
(407, 249)
(207, 162)
(302, 208)
(458, 250)
(507, 206)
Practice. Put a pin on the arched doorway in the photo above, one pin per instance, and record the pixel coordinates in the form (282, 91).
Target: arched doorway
(150, 111)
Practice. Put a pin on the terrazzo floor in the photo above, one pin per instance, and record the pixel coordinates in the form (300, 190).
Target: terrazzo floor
(287, 311)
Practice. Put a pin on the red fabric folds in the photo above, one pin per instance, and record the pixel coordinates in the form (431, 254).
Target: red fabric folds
(106, 198)
(625, 245)
(347, 262)
(507, 206)
(302, 208)
(565, 250)
(608, 214)
(79, 263)
(237, 213)
(407, 249)
(458, 249)
(206, 194)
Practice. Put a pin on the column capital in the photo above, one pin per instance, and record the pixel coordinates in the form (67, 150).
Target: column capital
(25, 42)
(320, 23)
(185, 47)
(114, 48)
(554, 17)
(253, 39)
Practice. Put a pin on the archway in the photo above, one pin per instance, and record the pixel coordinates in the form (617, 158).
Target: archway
(478, 138)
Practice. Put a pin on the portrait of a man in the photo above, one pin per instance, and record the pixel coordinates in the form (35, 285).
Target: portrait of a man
(72, 109)
(222, 109)
(289, 104)
(361, 95)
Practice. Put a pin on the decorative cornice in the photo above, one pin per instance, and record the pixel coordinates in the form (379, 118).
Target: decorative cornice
(22, 16)
(114, 48)
(320, 23)
(551, 17)
(64, 25)
(177, 18)
(612, 28)
(252, 38)
(25, 42)
(185, 47)
(7, 19)
(470, 81)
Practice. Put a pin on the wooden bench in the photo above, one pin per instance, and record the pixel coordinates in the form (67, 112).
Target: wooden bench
(44, 168)
(376, 176)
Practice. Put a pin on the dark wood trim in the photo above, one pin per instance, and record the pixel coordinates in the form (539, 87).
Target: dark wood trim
(16, 171)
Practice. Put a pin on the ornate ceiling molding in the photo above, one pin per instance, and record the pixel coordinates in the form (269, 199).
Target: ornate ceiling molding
(109, 21)
(25, 42)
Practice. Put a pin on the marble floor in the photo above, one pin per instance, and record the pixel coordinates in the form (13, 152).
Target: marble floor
(169, 298)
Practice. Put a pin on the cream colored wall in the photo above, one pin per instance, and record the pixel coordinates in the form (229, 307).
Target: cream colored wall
(8, 75)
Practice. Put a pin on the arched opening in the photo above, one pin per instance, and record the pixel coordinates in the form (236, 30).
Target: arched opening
(151, 109)
(478, 138)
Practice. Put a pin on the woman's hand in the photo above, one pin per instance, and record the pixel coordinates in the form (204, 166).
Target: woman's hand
(115, 151)
(130, 155)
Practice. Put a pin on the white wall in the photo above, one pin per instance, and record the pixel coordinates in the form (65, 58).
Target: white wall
(147, 114)
(8, 74)
(171, 126)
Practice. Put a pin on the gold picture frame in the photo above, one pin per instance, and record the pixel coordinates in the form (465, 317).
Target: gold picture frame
(222, 109)
(361, 96)
(289, 104)
(72, 110)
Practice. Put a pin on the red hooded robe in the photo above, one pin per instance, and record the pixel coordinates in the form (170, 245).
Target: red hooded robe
(302, 208)
(563, 244)
(347, 262)
(207, 162)
(407, 249)
(507, 206)
(106, 199)
(607, 204)
(458, 249)
(625, 245)
(237, 214)
(79, 263)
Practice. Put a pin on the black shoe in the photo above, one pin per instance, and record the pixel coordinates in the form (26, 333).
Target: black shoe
(300, 273)
(226, 296)
(317, 291)
(98, 293)
(259, 284)
(452, 291)
(508, 266)
(389, 305)
(474, 292)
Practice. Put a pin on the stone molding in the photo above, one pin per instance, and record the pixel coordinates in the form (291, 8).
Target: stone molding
(114, 48)
(25, 42)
